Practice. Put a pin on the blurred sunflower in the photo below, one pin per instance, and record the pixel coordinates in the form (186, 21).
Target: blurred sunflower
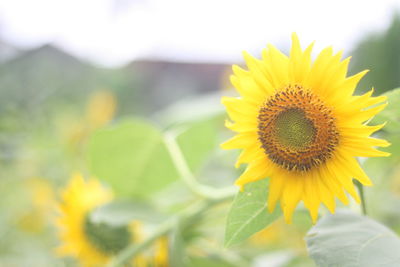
(41, 198)
(100, 110)
(279, 234)
(95, 243)
(299, 124)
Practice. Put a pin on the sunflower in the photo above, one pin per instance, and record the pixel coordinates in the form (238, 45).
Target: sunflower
(100, 109)
(95, 243)
(299, 124)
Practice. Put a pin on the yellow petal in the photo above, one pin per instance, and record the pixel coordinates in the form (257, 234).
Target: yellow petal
(363, 151)
(259, 73)
(243, 126)
(362, 116)
(331, 182)
(355, 104)
(249, 154)
(357, 131)
(300, 63)
(240, 110)
(318, 69)
(277, 65)
(311, 197)
(343, 177)
(351, 82)
(248, 89)
(327, 197)
(291, 195)
(240, 141)
(275, 190)
(256, 170)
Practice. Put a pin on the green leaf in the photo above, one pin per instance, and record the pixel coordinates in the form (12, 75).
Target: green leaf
(177, 249)
(197, 142)
(122, 212)
(249, 214)
(391, 114)
(197, 108)
(346, 239)
(132, 158)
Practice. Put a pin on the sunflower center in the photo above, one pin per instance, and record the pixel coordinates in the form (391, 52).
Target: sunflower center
(296, 129)
(109, 239)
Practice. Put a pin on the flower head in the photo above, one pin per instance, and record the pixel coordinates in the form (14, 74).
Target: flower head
(95, 243)
(299, 124)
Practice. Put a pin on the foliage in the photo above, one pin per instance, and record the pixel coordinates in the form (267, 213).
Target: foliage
(350, 240)
(391, 114)
(124, 156)
(249, 213)
(380, 53)
(166, 170)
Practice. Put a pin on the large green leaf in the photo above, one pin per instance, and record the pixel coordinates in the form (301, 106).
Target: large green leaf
(248, 214)
(346, 239)
(132, 158)
(391, 114)
(197, 141)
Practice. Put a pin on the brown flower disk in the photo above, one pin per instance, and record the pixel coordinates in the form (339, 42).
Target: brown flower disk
(296, 129)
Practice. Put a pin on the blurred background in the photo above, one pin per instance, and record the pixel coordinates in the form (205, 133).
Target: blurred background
(70, 67)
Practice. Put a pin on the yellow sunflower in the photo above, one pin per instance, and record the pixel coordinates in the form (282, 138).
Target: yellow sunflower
(100, 109)
(95, 243)
(299, 124)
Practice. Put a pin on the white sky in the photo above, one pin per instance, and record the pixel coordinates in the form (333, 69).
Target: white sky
(204, 30)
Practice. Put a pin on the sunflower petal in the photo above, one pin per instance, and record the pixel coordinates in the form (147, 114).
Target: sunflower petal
(255, 171)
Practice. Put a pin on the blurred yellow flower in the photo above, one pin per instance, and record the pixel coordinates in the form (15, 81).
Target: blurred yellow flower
(161, 257)
(299, 124)
(42, 193)
(101, 108)
(95, 243)
(42, 200)
(280, 233)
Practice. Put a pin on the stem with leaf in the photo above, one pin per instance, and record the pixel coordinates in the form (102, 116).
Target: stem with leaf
(211, 197)
(187, 214)
(187, 176)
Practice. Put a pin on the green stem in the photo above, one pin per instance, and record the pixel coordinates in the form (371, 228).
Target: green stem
(134, 249)
(361, 190)
(165, 228)
(187, 176)
(212, 196)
